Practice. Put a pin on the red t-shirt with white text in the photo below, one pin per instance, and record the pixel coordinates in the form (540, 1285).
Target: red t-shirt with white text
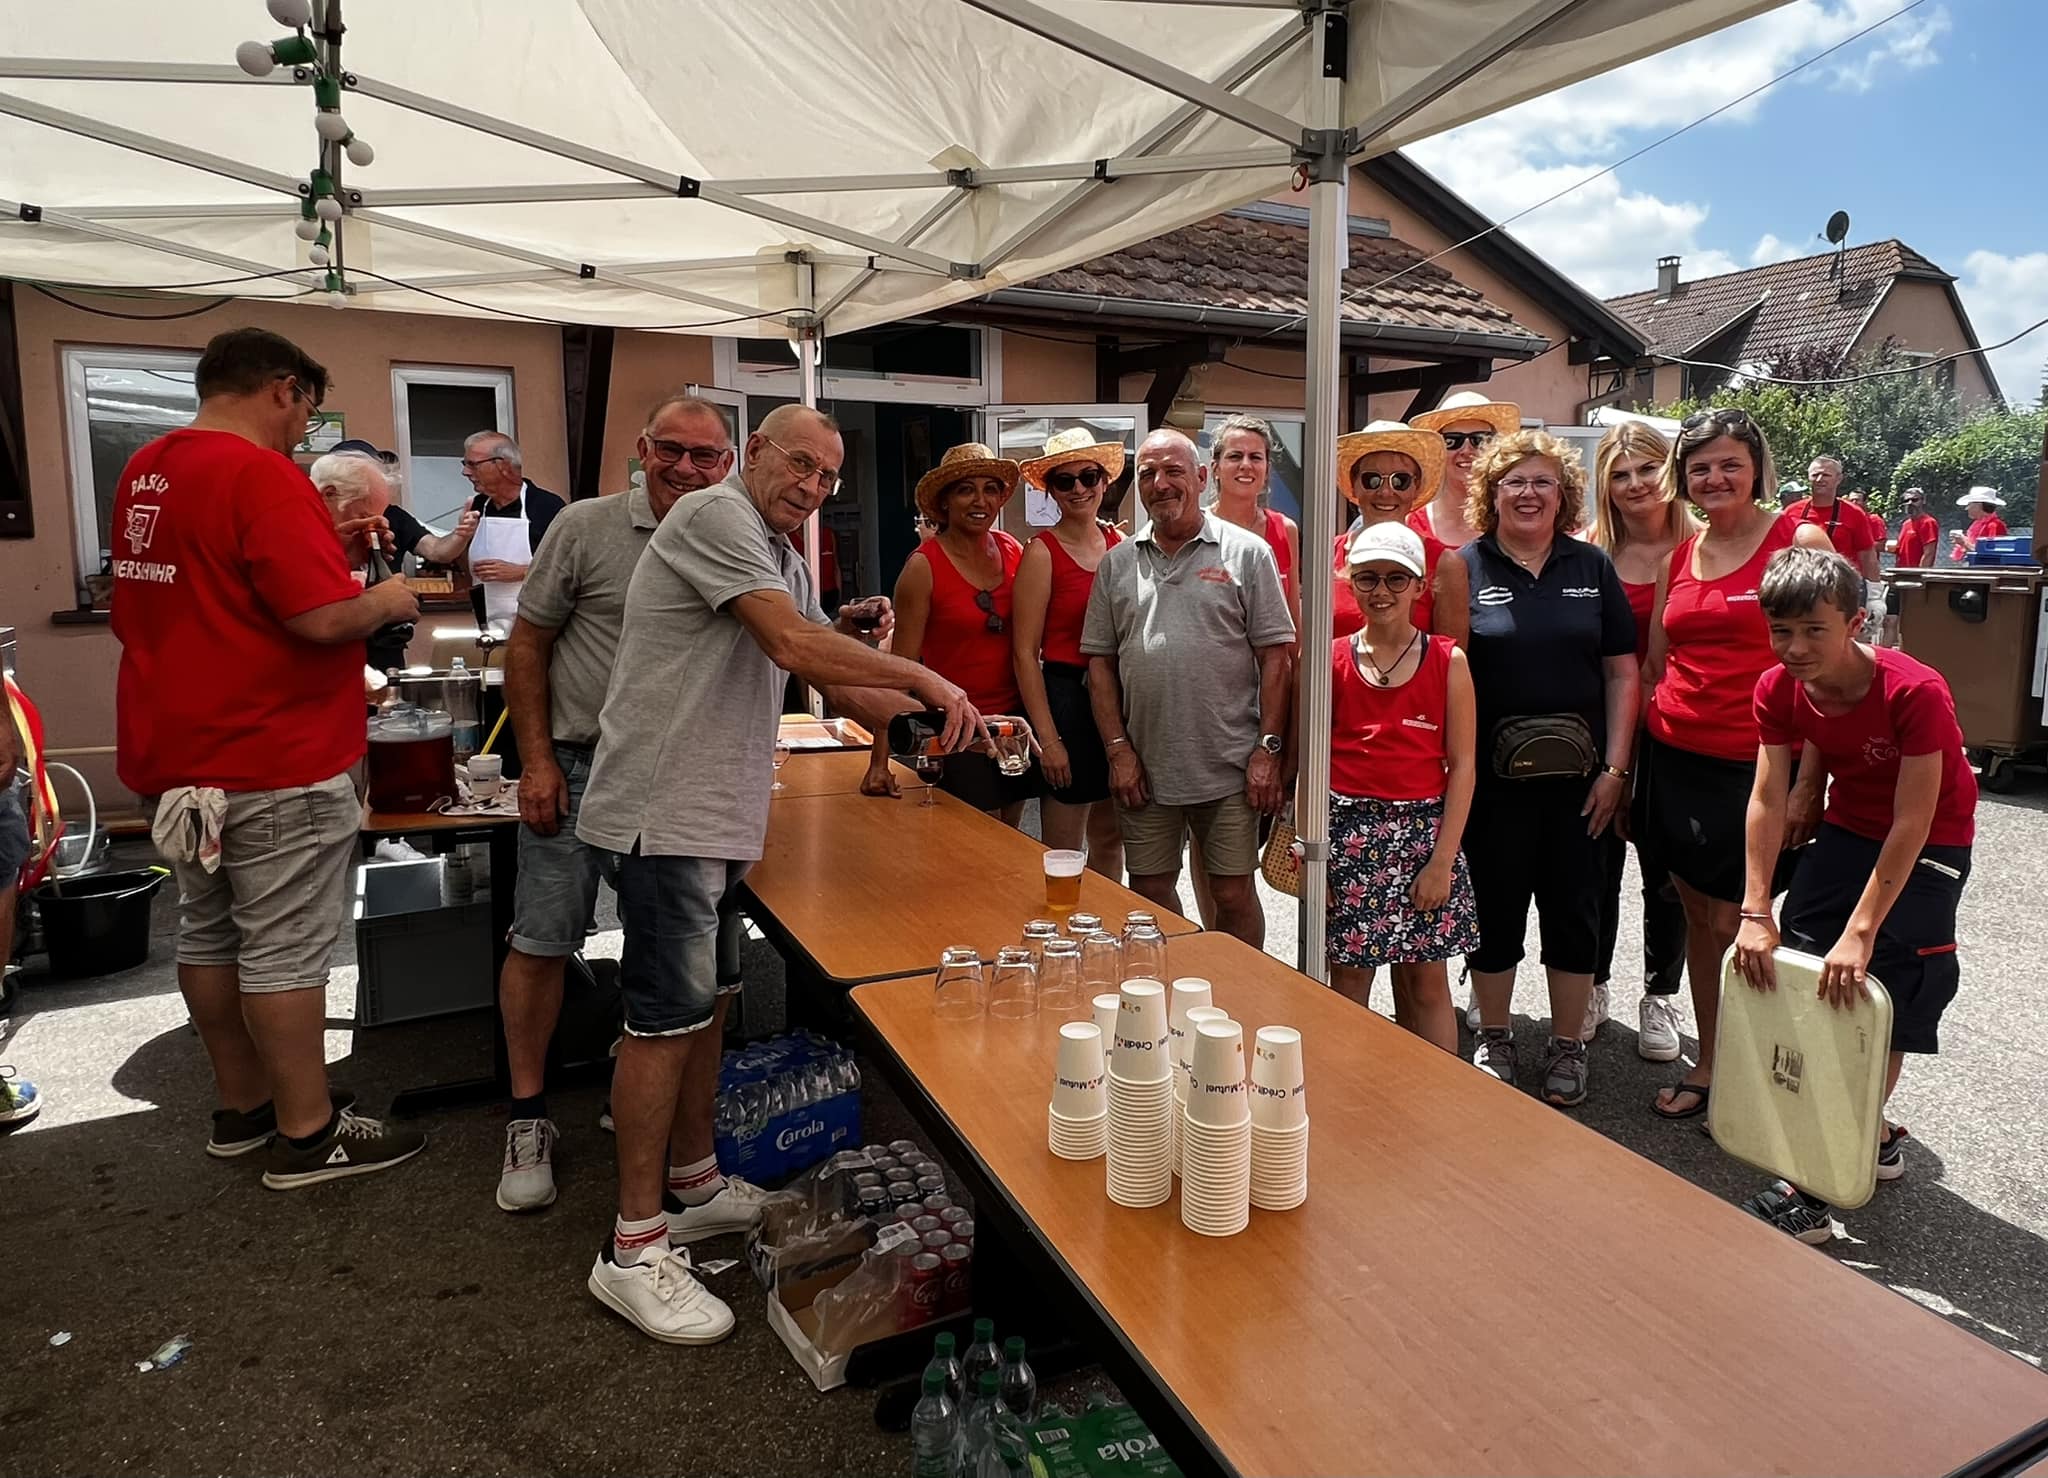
(1908, 711)
(217, 543)
(1846, 525)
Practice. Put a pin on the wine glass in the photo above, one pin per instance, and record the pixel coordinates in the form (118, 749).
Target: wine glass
(929, 767)
(783, 750)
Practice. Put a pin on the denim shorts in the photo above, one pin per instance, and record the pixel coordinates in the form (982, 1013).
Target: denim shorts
(675, 910)
(555, 903)
(15, 843)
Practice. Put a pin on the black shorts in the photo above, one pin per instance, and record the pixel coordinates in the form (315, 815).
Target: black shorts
(1066, 694)
(1691, 811)
(974, 778)
(1527, 841)
(1915, 957)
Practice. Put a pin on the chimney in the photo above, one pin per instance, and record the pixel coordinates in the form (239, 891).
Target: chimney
(1667, 277)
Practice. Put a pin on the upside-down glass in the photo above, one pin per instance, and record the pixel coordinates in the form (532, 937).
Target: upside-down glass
(1059, 975)
(1013, 990)
(1081, 925)
(1144, 949)
(783, 750)
(958, 993)
(1102, 963)
(1037, 932)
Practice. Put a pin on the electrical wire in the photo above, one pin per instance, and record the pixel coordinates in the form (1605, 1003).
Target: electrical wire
(567, 322)
(1901, 369)
(157, 317)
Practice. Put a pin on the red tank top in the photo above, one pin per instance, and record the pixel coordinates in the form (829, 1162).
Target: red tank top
(1642, 602)
(1276, 536)
(1388, 743)
(1067, 608)
(1717, 644)
(1346, 619)
(958, 645)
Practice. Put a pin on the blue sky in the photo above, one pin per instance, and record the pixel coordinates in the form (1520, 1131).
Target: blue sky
(1928, 130)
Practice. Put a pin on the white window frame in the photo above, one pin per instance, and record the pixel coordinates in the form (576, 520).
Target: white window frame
(404, 376)
(736, 402)
(729, 374)
(1133, 410)
(85, 508)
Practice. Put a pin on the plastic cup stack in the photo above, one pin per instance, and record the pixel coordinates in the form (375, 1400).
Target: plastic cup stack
(1279, 1120)
(1077, 1123)
(1140, 1098)
(1105, 1007)
(1216, 1125)
(1183, 1050)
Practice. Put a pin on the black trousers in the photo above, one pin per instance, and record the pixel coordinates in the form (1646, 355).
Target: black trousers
(1663, 920)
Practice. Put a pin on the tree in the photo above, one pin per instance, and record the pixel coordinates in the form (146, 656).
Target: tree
(1995, 448)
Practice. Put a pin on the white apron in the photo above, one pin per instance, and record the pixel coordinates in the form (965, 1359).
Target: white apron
(501, 539)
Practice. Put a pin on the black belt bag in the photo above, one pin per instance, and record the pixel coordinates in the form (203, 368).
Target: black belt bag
(1544, 746)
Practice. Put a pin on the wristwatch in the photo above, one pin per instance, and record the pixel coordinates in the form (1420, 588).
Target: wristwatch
(1272, 744)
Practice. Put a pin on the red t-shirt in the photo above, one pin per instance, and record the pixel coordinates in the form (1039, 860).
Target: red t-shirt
(958, 645)
(1880, 531)
(1916, 536)
(1642, 602)
(1846, 525)
(218, 542)
(1908, 711)
(1990, 526)
(1346, 619)
(1388, 743)
(1717, 645)
(1066, 608)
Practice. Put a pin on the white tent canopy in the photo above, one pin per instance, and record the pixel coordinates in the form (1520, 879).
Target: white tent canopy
(768, 167)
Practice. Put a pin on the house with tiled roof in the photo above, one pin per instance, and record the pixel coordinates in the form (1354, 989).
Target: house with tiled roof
(1828, 308)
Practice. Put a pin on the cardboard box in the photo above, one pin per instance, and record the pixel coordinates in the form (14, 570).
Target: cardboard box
(794, 1318)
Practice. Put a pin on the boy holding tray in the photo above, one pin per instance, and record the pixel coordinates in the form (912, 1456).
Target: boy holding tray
(1878, 889)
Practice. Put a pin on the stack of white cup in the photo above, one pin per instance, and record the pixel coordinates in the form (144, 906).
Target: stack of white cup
(1189, 993)
(1077, 1123)
(1140, 1098)
(1105, 1007)
(1216, 1145)
(1279, 1131)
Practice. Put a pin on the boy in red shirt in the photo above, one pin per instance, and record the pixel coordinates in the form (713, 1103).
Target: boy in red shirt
(1877, 891)
(239, 717)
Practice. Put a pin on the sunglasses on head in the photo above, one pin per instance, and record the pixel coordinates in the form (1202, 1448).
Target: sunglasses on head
(1453, 440)
(1370, 580)
(1372, 482)
(1730, 419)
(985, 601)
(1090, 478)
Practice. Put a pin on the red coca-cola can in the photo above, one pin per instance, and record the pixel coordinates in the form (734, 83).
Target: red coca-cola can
(926, 1287)
(952, 1216)
(938, 1203)
(937, 1241)
(963, 1231)
(924, 1222)
(957, 1281)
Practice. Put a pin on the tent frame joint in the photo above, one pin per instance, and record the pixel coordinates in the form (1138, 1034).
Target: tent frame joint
(687, 188)
(963, 271)
(31, 213)
(1325, 154)
(962, 179)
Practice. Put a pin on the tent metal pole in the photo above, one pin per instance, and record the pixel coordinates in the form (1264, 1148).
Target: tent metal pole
(1462, 67)
(216, 211)
(141, 143)
(66, 221)
(80, 69)
(939, 211)
(807, 394)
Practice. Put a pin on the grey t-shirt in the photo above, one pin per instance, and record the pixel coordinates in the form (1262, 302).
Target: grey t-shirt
(576, 588)
(688, 730)
(1185, 630)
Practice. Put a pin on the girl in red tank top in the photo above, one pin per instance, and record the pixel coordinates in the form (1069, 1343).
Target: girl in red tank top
(1385, 471)
(1240, 473)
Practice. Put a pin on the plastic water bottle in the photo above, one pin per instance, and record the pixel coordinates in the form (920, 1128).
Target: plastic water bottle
(1017, 1385)
(983, 1356)
(947, 1364)
(978, 1425)
(934, 1430)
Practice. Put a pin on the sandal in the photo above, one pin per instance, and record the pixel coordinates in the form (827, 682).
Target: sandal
(1699, 1090)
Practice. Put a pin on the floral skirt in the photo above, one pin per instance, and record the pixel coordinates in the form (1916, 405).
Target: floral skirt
(1377, 848)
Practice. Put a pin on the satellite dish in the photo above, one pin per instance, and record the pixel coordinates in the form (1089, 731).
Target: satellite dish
(1838, 227)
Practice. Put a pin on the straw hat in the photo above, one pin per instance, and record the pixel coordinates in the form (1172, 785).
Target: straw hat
(969, 459)
(1470, 405)
(1424, 448)
(1075, 444)
(1981, 495)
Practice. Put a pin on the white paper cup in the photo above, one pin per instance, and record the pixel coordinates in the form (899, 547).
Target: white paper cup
(1184, 1045)
(1079, 1086)
(1104, 1007)
(1216, 1088)
(1279, 1097)
(1183, 996)
(1139, 1053)
(485, 767)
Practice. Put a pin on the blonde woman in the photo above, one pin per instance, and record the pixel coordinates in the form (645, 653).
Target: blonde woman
(1638, 522)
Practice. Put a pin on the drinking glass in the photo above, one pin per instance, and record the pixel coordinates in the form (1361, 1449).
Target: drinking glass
(928, 767)
(958, 993)
(1144, 949)
(1102, 964)
(781, 758)
(1037, 932)
(1013, 992)
(1081, 925)
(1010, 743)
(1059, 975)
(1063, 881)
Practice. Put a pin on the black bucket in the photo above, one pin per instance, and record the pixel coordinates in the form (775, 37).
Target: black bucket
(97, 924)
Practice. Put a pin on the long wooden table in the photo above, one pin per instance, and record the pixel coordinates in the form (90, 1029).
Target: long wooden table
(834, 772)
(867, 888)
(1476, 1284)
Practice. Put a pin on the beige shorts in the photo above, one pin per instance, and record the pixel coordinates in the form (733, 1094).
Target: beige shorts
(1227, 829)
(274, 908)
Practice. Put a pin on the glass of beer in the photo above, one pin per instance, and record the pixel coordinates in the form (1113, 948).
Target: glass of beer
(1063, 881)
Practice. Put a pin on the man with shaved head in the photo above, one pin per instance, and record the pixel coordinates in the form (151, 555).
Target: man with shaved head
(1188, 641)
(719, 607)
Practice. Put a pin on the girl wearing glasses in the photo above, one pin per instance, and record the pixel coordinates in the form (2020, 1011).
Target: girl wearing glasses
(1389, 472)
(1240, 472)
(953, 612)
(1053, 585)
(1709, 643)
(1468, 422)
(1401, 770)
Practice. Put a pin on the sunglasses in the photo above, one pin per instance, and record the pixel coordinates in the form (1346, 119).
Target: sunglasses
(1089, 478)
(1367, 581)
(1372, 482)
(985, 602)
(1453, 440)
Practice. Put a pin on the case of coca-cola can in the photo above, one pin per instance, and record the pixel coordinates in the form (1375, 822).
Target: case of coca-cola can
(957, 1291)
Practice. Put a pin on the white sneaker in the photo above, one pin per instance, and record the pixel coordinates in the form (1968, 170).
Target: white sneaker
(662, 1297)
(1596, 1014)
(1657, 1029)
(528, 1180)
(1472, 1015)
(735, 1209)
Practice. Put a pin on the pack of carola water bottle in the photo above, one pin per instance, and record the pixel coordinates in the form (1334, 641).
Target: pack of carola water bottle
(784, 1104)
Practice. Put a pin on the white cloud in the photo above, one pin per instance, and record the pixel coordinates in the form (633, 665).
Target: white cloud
(1769, 249)
(2002, 296)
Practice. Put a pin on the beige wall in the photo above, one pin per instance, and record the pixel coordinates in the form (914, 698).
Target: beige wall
(69, 670)
(1038, 371)
(645, 367)
(1920, 316)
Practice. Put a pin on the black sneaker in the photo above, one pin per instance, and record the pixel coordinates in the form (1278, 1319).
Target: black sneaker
(1891, 1164)
(354, 1146)
(236, 1134)
(1794, 1213)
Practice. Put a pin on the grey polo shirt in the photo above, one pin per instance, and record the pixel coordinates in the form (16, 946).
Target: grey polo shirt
(688, 730)
(576, 588)
(1185, 630)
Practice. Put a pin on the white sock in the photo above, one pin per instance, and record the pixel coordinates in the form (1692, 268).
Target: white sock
(696, 1183)
(639, 1241)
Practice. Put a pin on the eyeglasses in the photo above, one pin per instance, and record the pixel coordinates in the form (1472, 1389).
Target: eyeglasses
(704, 457)
(1372, 482)
(806, 467)
(1456, 439)
(1729, 418)
(985, 601)
(1367, 581)
(1541, 486)
(1090, 478)
(480, 462)
(300, 392)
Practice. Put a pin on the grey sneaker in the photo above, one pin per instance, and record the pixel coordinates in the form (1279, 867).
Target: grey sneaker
(1794, 1213)
(1494, 1053)
(354, 1146)
(236, 1134)
(528, 1180)
(1564, 1073)
(1596, 1013)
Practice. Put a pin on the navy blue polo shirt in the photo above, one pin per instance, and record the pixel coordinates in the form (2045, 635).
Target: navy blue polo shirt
(1539, 642)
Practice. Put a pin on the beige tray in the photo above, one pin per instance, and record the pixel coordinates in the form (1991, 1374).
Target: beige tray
(1798, 1085)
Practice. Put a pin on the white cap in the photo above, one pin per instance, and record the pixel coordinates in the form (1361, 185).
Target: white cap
(1981, 495)
(1394, 542)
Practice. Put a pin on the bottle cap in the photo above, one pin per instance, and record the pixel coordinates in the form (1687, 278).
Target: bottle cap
(988, 1383)
(1013, 1348)
(934, 1382)
(984, 1331)
(943, 1346)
